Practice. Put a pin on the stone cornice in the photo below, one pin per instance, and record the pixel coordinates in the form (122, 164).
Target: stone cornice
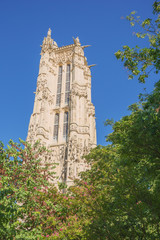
(67, 47)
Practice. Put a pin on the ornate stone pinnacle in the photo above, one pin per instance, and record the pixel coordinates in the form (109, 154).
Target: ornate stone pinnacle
(49, 33)
(76, 41)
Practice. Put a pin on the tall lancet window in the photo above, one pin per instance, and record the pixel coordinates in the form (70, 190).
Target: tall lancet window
(59, 86)
(65, 126)
(56, 126)
(67, 84)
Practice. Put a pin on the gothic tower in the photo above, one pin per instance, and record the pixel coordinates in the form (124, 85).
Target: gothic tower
(63, 117)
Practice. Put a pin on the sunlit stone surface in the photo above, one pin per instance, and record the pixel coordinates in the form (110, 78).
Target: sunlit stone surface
(63, 117)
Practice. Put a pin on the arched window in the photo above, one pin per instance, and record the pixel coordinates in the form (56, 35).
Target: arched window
(59, 86)
(67, 91)
(65, 126)
(56, 126)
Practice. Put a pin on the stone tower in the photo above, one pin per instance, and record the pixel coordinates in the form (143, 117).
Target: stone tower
(63, 117)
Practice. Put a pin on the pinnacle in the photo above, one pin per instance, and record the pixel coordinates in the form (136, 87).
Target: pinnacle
(49, 33)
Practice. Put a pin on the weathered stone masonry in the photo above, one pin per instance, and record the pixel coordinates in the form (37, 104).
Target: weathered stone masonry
(63, 117)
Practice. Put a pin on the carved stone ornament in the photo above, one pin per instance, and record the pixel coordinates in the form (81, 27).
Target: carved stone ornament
(76, 41)
(64, 57)
(79, 90)
(48, 43)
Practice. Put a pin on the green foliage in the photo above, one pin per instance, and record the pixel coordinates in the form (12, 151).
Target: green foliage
(125, 177)
(31, 207)
(22, 172)
(140, 62)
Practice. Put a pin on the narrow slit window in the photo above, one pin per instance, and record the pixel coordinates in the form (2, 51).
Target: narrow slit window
(56, 127)
(65, 126)
(59, 87)
(67, 91)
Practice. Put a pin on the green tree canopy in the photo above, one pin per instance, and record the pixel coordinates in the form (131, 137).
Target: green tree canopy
(141, 61)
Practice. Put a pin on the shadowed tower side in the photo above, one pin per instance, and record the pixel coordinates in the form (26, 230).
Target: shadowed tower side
(63, 117)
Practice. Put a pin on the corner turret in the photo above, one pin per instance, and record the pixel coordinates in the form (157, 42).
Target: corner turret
(48, 43)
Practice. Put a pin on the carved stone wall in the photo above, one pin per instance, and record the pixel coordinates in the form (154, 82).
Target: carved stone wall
(67, 153)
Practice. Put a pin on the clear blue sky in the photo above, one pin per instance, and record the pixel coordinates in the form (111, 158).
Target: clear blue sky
(100, 23)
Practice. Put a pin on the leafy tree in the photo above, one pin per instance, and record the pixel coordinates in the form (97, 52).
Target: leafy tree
(141, 61)
(125, 177)
(22, 172)
(31, 207)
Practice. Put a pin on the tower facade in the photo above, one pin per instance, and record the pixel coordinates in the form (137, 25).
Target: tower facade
(63, 117)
